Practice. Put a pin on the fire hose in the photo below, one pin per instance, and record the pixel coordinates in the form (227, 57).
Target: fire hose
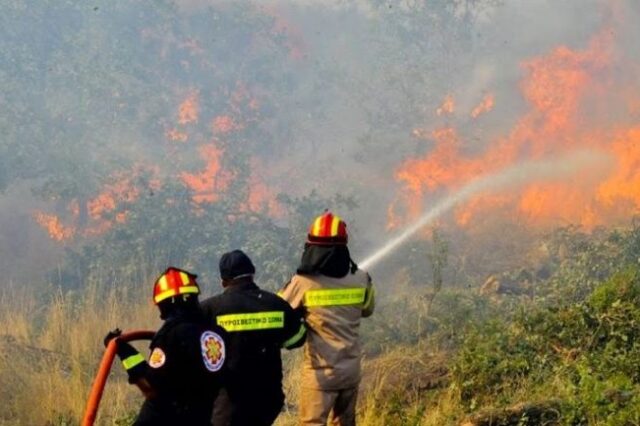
(100, 381)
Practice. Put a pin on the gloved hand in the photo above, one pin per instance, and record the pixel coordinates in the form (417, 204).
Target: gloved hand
(111, 335)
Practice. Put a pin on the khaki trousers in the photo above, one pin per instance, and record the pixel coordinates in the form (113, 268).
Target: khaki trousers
(318, 406)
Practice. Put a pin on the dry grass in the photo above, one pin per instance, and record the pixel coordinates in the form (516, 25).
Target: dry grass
(49, 353)
(404, 386)
(292, 361)
(408, 386)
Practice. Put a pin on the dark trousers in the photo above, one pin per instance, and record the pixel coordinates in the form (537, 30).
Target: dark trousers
(167, 413)
(247, 408)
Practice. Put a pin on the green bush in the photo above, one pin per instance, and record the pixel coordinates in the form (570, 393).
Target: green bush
(587, 352)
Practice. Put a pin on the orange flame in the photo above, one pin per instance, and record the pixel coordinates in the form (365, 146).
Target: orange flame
(447, 106)
(563, 89)
(114, 198)
(262, 198)
(189, 108)
(624, 184)
(121, 190)
(52, 224)
(210, 182)
(485, 106)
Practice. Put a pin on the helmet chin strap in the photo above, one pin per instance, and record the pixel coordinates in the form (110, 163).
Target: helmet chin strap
(175, 304)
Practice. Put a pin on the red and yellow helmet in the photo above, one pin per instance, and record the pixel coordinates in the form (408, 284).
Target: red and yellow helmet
(327, 229)
(174, 282)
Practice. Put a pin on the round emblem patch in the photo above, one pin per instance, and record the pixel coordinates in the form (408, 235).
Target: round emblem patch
(157, 358)
(213, 350)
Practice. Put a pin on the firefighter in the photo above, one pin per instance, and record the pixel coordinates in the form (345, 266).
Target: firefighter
(184, 370)
(334, 294)
(258, 325)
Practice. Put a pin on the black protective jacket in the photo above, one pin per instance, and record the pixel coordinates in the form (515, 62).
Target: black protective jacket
(258, 325)
(185, 370)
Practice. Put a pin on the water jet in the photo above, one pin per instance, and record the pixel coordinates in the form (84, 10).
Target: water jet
(510, 177)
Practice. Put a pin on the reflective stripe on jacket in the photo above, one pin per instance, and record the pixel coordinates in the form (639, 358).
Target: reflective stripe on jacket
(333, 308)
(258, 325)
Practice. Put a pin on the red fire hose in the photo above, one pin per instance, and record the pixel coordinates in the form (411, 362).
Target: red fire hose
(95, 396)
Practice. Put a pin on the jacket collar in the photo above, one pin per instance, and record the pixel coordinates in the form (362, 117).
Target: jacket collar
(241, 286)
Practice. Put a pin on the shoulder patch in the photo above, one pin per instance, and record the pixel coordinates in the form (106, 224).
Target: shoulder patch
(157, 358)
(213, 350)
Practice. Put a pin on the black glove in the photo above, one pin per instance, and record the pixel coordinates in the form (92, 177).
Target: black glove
(111, 335)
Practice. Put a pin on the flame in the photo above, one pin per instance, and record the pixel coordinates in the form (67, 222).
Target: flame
(426, 174)
(110, 206)
(262, 198)
(189, 108)
(484, 106)
(447, 106)
(564, 90)
(53, 225)
(624, 184)
(121, 190)
(208, 184)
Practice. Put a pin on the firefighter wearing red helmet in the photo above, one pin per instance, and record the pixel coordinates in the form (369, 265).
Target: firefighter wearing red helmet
(334, 295)
(183, 373)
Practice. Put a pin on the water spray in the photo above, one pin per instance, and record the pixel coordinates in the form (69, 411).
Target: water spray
(513, 176)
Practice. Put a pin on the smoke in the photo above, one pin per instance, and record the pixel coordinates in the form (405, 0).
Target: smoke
(512, 177)
(334, 97)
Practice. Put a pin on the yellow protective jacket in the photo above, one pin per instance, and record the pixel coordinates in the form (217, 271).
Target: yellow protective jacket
(332, 309)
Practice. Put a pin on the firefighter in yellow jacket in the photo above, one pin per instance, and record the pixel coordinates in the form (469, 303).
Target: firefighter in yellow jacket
(334, 295)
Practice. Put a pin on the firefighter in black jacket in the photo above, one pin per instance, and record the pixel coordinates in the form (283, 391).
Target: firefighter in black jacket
(184, 371)
(259, 324)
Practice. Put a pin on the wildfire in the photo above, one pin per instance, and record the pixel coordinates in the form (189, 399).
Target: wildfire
(189, 108)
(52, 224)
(210, 182)
(485, 106)
(112, 203)
(262, 197)
(624, 184)
(562, 89)
(120, 191)
(104, 210)
(447, 106)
